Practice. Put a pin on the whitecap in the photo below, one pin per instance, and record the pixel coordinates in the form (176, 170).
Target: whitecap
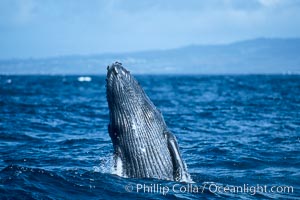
(84, 79)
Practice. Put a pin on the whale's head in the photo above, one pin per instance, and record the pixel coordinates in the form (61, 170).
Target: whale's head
(129, 106)
(122, 89)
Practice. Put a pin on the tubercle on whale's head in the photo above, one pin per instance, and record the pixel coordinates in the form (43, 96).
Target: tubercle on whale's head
(115, 68)
(121, 87)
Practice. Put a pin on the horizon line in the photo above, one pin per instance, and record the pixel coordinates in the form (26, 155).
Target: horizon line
(287, 73)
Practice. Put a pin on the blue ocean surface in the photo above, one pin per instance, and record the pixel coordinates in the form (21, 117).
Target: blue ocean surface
(239, 136)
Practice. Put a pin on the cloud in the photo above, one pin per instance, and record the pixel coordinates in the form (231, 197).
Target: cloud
(44, 28)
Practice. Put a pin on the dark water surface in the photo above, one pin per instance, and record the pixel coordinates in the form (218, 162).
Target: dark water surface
(232, 131)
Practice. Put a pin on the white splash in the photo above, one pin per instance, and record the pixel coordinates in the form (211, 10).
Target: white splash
(186, 177)
(105, 165)
(118, 169)
(84, 79)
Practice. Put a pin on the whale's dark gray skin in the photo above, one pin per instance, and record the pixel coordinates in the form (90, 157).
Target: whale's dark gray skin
(140, 137)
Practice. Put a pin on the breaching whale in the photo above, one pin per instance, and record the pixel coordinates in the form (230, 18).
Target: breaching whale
(143, 145)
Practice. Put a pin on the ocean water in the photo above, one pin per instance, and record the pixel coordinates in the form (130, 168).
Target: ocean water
(239, 136)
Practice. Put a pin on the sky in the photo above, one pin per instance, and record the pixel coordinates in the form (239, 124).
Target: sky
(46, 28)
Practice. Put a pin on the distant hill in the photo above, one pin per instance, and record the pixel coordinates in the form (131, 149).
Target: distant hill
(252, 56)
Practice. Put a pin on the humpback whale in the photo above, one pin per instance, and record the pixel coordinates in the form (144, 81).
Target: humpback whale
(143, 145)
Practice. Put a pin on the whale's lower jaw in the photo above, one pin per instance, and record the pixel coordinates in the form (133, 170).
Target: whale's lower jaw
(144, 148)
(149, 153)
(145, 154)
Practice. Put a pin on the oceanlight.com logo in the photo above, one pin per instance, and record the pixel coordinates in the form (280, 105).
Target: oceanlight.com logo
(207, 188)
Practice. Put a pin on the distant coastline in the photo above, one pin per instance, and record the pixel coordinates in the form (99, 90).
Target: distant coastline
(257, 56)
